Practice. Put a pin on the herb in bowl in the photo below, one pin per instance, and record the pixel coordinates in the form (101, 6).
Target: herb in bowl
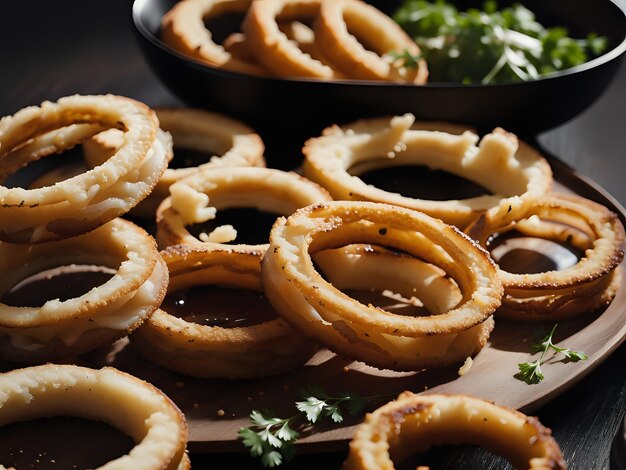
(490, 45)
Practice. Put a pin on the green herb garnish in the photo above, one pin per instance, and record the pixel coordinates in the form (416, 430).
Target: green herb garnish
(272, 438)
(405, 59)
(490, 45)
(530, 372)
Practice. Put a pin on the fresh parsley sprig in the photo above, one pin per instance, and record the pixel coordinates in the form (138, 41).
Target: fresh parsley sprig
(273, 439)
(531, 373)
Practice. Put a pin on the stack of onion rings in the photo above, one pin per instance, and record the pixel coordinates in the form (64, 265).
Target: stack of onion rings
(513, 171)
(84, 202)
(275, 42)
(268, 348)
(196, 199)
(586, 286)
(133, 406)
(273, 49)
(414, 423)
(231, 142)
(61, 329)
(336, 21)
(183, 29)
(379, 338)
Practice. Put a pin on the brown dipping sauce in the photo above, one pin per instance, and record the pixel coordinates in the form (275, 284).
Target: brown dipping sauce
(421, 182)
(63, 283)
(61, 443)
(253, 226)
(219, 306)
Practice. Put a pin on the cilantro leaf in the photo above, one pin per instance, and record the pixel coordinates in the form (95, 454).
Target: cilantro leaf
(312, 407)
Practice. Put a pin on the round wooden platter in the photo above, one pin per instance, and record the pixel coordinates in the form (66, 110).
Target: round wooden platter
(491, 375)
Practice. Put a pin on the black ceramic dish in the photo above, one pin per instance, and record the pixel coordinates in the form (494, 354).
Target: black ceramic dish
(287, 111)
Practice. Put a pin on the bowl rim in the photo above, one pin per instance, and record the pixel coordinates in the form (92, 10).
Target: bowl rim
(614, 53)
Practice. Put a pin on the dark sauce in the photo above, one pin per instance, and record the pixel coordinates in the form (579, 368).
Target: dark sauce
(518, 254)
(253, 226)
(219, 306)
(421, 182)
(63, 283)
(61, 443)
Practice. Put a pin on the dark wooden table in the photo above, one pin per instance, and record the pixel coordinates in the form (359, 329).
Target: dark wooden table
(52, 49)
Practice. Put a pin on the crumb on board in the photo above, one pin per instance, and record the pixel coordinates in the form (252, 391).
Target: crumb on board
(467, 365)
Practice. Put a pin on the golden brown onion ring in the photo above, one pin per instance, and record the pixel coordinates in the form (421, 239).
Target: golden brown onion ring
(196, 199)
(229, 141)
(43, 146)
(272, 47)
(376, 337)
(61, 329)
(86, 201)
(513, 171)
(342, 23)
(127, 403)
(268, 348)
(413, 423)
(587, 285)
(183, 29)
(238, 45)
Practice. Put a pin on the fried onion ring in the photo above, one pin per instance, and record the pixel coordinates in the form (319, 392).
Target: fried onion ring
(196, 199)
(238, 45)
(272, 48)
(512, 170)
(341, 22)
(84, 202)
(365, 333)
(61, 329)
(231, 142)
(183, 29)
(414, 423)
(127, 403)
(258, 350)
(588, 285)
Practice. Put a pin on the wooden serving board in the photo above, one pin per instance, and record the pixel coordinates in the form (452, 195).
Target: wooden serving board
(491, 376)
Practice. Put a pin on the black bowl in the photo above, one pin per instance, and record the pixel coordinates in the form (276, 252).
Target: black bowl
(287, 111)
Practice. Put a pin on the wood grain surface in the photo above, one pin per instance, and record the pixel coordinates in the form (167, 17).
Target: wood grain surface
(52, 49)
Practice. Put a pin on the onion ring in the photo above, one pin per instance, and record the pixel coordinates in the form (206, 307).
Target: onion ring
(183, 29)
(413, 423)
(585, 286)
(59, 329)
(238, 45)
(336, 21)
(127, 403)
(84, 202)
(192, 129)
(196, 199)
(365, 333)
(272, 47)
(511, 169)
(267, 348)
